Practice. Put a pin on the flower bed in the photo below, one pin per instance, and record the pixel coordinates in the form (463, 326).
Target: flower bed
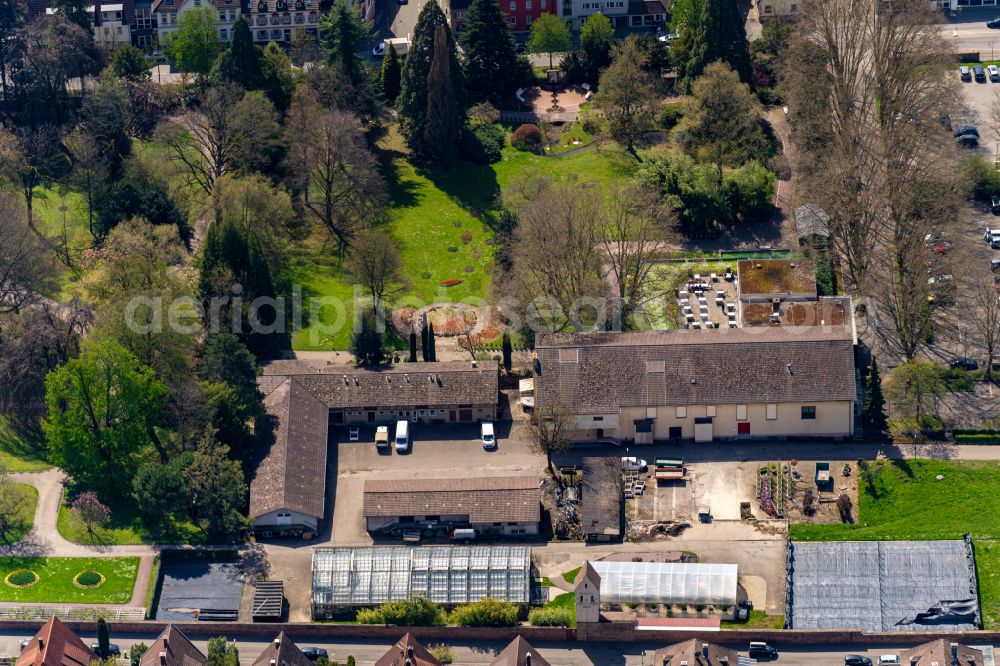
(88, 579)
(21, 578)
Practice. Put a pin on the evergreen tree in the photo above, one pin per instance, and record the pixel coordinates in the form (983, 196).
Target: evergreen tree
(103, 639)
(240, 63)
(128, 62)
(367, 342)
(444, 116)
(413, 346)
(721, 36)
(432, 349)
(424, 345)
(391, 73)
(412, 101)
(873, 410)
(491, 63)
(507, 351)
(341, 31)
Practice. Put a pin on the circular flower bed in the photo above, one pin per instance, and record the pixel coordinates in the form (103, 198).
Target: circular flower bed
(88, 580)
(21, 578)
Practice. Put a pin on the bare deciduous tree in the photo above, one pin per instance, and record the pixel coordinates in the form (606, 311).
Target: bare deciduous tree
(229, 130)
(26, 266)
(342, 187)
(630, 232)
(550, 431)
(374, 261)
(984, 315)
(555, 274)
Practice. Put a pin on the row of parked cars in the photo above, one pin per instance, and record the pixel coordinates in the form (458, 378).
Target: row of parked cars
(979, 73)
(763, 652)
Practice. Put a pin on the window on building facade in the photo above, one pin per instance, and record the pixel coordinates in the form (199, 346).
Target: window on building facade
(809, 413)
(527, 21)
(513, 21)
(224, 35)
(772, 412)
(682, 412)
(527, 4)
(741, 412)
(513, 6)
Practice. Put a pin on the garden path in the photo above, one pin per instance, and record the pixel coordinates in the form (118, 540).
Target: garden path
(44, 539)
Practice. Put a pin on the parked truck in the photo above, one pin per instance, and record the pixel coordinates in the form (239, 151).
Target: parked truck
(668, 469)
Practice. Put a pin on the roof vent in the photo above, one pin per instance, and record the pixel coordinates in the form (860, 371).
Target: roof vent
(41, 642)
(723, 659)
(388, 379)
(430, 378)
(527, 659)
(704, 649)
(791, 265)
(409, 651)
(694, 380)
(407, 378)
(356, 382)
(759, 266)
(277, 641)
(790, 369)
(474, 364)
(346, 383)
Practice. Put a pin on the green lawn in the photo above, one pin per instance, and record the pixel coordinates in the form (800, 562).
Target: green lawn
(904, 500)
(758, 620)
(125, 528)
(19, 453)
(20, 525)
(55, 579)
(988, 570)
(570, 576)
(567, 602)
(430, 213)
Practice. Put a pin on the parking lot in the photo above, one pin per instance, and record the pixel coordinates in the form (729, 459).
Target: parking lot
(437, 452)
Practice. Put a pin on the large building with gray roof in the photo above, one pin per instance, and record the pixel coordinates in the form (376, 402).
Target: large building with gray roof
(304, 399)
(701, 385)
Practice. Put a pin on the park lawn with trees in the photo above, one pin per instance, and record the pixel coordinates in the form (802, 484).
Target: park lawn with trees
(125, 528)
(18, 502)
(17, 452)
(424, 205)
(55, 579)
(902, 499)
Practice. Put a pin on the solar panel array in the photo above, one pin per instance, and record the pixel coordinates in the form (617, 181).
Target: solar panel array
(369, 576)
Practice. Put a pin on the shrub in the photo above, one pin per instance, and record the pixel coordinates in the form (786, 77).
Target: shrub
(483, 144)
(88, 579)
(21, 578)
(418, 612)
(487, 612)
(466, 238)
(984, 178)
(550, 617)
(751, 191)
(670, 115)
(443, 653)
(527, 137)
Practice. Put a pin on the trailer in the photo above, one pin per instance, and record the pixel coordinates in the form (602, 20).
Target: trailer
(668, 469)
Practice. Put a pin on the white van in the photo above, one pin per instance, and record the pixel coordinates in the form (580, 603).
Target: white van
(402, 436)
(489, 439)
(463, 534)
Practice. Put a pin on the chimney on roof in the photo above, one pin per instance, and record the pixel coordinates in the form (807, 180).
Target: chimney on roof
(406, 377)
(356, 381)
(346, 383)
(954, 651)
(277, 642)
(273, 662)
(474, 363)
(758, 265)
(409, 651)
(790, 369)
(723, 659)
(165, 643)
(41, 642)
(704, 650)
(430, 378)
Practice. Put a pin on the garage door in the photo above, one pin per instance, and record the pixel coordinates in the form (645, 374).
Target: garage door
(465, 415)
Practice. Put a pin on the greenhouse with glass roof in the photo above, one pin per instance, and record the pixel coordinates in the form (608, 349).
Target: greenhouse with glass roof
(345, 578)
(634, 583)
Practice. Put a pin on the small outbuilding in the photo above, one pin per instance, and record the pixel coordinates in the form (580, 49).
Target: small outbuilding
(811, 224)
(601, 501)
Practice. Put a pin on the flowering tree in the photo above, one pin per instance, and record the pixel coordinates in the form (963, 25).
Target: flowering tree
(91, 511)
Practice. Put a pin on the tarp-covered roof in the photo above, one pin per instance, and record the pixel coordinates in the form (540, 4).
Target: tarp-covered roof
(883, 586)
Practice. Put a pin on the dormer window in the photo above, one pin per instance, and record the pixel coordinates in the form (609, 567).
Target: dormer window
(281, 6)
(262, 6)
(300, 5)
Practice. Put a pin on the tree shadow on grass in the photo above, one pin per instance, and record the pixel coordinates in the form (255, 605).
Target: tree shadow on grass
(473, 187)
(402, 193)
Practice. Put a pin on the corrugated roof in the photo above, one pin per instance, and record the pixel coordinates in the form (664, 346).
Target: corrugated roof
(484, 499)
(724, 366)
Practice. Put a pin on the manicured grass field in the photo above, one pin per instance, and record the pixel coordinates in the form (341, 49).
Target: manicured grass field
(988, 569)
(567, 602)
(570, 576)
(430, 212)
(55, 579)
(17, 454)
(21, 524)
(904, 500)
(125, 528)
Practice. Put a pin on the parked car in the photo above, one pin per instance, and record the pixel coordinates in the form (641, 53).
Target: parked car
(379, 50)
(113, 650)
(979, 73)
(965, 73)
(354, 434)
(966, 129)
(314, 653)
(889, 660)
(857, 660)
(633, 464)
(968, 141)
(994, 73)
(761, 650)
(402, 436)
(993, 23)
(382, 438)
(963, 363)
(992, 236)
(486, 434)
(995, 205)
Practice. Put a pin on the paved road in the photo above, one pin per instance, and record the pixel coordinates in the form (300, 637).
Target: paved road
(559, 654)
(968, 31)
